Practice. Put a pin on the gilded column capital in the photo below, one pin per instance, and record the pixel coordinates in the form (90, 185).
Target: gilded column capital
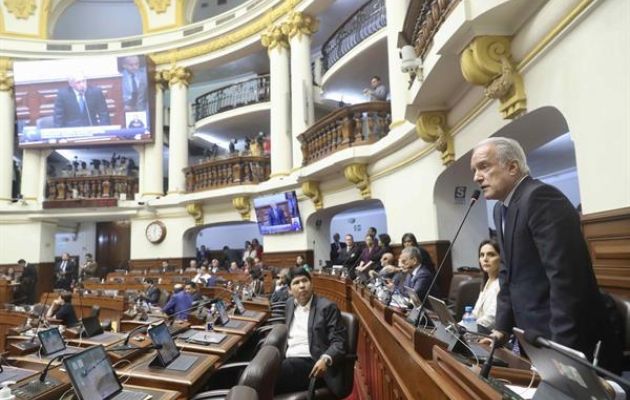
(176, 75)
(357, 174)
(312, 191)
(243, 206)
(487, 61)
(432, 128)
(160, 79)
(299, 24)
(196, 211)
(22, 9)
(274, 38)
(6, 74)
(159, 6)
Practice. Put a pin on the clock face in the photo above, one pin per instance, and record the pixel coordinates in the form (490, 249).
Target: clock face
(156, 232)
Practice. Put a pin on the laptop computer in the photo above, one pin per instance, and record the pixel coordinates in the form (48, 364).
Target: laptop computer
(240, 308)
(168, 356)
(562, 377)
(93, 377)
(53, 344)
(206, 338)
(224, 318)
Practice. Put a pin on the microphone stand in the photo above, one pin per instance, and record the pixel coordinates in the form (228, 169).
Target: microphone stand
(473, 200)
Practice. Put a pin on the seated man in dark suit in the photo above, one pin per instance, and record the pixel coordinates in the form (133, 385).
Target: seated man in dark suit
(80, 105)
(415, 274)
(317, 338)
(152, 292)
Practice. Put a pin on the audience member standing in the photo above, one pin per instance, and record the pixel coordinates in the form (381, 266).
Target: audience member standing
(66, 272)
(349, 257)
(377, 91)
(335, 248)
(28, 282)
(178, 303)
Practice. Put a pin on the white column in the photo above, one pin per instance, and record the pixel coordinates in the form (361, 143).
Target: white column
(278, 49)
(398, 81)
(7, 130)
(34, 174)
(178, 79)
(152, 164)
(299, 28)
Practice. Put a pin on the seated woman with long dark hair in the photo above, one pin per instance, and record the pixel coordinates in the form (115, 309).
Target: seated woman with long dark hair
(486, 306)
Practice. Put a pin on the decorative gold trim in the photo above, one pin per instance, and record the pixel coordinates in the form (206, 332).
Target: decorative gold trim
(6, 74)
(22, 9)
(312, 191)
(357, 174)
(242, 205)
(274, 38)
(487, 61)
(175, 75)
(196, 211)
(159, 6)
(255, 27)
(432, 128)
(299, 24)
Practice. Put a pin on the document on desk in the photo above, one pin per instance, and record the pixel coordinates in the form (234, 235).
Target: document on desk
(523, 391)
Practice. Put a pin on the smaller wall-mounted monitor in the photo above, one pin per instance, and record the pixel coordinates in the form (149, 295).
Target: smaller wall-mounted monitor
(278, 213)
(84, 101)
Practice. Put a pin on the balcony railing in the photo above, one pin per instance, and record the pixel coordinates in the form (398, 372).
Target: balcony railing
(356, 125)
(367, 20)
(91, 187)
(241, 94)
(423, 20)
(239, 170)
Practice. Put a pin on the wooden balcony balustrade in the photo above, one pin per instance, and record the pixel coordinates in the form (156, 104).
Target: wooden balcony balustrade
(351, 126)
(423, 20)
(91, 187)
(231, 171)
(251, 91)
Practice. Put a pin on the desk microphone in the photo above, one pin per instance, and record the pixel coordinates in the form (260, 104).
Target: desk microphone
(60, 357)
(536, 339)
(487, 365)
(473, 200)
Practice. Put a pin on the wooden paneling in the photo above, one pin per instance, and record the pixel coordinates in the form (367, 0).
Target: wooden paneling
(608, 237)
(287, 258)
(113, 244)
(156, 263)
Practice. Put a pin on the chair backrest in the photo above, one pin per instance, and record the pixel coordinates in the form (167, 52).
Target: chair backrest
(163, 297)
(467, 296)
(277, 337)
(242, 393)
(456, 282)
(262, 372)
(352, 327)
(623, 307)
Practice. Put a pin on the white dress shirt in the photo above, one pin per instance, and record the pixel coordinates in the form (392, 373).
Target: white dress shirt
(486, 306)
(298, 345)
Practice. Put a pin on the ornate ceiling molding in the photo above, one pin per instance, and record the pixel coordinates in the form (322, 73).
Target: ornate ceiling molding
(487, 61)
(159, 6)
(432, 128)
(22, 9)
(243, 206)
(195, 210)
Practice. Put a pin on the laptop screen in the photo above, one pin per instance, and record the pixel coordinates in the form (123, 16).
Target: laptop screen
(161, 336)
(92, 375)
(51, 341)
(238, 303)
(223, 315)
(441, 309)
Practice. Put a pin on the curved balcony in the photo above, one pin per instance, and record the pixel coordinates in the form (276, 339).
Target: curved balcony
(218, 173)
(423, 20)
(84, 191)
(368, 20)
(352, 126)
(241, 94)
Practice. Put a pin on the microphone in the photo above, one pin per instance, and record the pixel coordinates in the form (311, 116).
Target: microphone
(42, 376)
(536, 339)
(473, 200)
(485, 370)
(87, 109)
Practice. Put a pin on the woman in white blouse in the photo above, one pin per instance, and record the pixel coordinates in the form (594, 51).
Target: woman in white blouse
(486, 306)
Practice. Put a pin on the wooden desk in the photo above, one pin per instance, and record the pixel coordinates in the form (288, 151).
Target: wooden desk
(16, 374)
(224, 349)
(247, 328)
(255, 316)
(156, 394)
(106, 339)
(6, 291)
(185, 382)
(9, 320)
(261, 304)
(111, 307)
(61, 385)
(35, 360)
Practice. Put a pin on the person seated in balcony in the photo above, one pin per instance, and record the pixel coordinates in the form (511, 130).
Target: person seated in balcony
(377, 91)
(61, 309)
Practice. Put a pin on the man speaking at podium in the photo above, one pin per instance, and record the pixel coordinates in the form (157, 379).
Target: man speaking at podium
(80, 105)
(547, 280)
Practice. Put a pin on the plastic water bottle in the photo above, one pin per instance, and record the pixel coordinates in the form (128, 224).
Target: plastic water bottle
(468, 320)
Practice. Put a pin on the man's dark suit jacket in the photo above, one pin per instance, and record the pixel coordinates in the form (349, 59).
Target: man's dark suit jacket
(335, 249)
(276, 216)
(68, 113)
(70, 273)
(153, 295)
(419, 283)
(547, 280)
(326, 335)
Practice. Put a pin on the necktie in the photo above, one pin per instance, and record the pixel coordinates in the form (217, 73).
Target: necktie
(82, 103)
(63, 266)
(134, 90)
